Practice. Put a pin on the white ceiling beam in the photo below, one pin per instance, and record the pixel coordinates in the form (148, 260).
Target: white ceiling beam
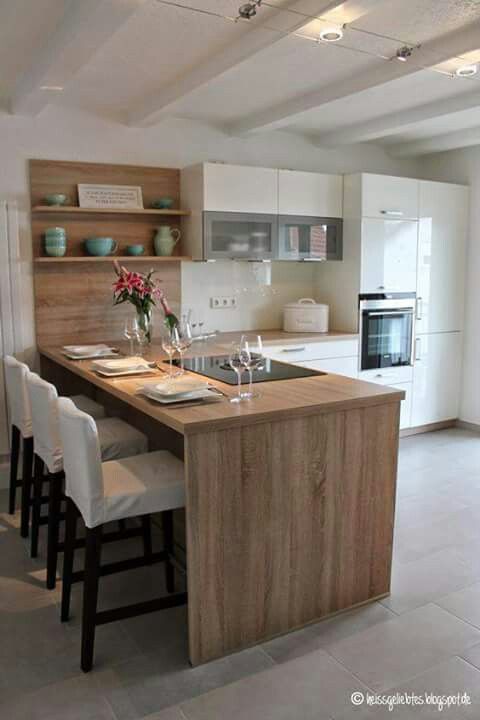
(438, 143)
(397, 121)
(255, 39)
(431, 53)
(86, 25)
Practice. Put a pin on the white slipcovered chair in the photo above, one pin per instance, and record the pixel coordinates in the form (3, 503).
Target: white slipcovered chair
(21, 433)
(113, 490)
(117, 439)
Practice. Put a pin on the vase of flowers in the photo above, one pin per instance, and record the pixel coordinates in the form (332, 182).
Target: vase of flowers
(142, 291)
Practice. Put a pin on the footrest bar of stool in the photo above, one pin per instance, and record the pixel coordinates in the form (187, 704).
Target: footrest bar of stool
(108, 537)
(122, 565)
(177, 565)
(128, 611)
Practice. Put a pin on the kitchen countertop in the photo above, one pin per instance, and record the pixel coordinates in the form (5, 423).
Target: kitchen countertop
(277, 400)
(274, 337)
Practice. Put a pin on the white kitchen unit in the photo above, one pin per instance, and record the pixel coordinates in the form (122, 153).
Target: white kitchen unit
(381, 196)
(397, 377)
(330, 355)
(436, 378)
(388, 256)
(441, 257)
(310, 194)
(239, 188)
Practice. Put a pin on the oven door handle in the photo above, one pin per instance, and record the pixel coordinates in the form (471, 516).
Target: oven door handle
(389, 313)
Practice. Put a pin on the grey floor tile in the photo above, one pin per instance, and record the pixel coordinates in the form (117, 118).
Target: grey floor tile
(320, 634)
(472, 655)
(313, 687)
(395, 651)
(174, 713)
(144, 685)
(465, 604)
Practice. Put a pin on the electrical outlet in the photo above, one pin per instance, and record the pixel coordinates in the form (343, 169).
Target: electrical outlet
(223, 302)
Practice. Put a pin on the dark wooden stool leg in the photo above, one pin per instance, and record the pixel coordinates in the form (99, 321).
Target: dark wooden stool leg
(26, 485)
(167, 523)
(122, 525)
(68, 557)
(38, 469)
(93, 546)
(14, 454)
(54, 503)
(147, 537)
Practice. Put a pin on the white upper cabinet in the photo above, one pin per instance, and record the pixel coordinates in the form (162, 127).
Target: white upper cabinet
(310, 194)
(240, 189)
(384, 196)
(388, 256)
(436, 378)
(441, 257)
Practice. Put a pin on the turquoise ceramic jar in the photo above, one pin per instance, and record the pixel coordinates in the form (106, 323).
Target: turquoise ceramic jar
(55, 242)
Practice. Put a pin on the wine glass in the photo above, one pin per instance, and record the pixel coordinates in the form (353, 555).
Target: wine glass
(131, 331)
(182, 338)
(169, 347)
(238, 360)
(253, 346)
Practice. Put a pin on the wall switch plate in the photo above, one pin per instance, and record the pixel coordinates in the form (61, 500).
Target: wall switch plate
(223, 302)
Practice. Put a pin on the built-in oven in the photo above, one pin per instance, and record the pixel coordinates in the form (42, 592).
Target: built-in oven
(386, 330)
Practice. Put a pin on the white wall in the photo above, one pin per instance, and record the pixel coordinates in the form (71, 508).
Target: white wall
(463, 166)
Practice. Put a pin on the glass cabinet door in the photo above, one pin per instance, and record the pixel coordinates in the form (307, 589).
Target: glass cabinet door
(240, 235)
(310, 238)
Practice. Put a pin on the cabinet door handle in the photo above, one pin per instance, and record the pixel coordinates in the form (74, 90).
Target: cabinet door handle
(419, 308)
(418, 349)
(295, 349)
(381, 287)
(392, 213)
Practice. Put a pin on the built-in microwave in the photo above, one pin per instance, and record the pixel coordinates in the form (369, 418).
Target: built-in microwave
(386, 323)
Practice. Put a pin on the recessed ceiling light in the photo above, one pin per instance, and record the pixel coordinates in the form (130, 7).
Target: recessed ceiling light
(52, 88)
(466, 70)
(332, 34)
(404, 53)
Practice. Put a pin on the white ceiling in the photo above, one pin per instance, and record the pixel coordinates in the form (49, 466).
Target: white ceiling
(138, 61)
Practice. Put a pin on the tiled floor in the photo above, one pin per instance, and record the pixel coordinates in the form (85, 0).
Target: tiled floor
(424, 638)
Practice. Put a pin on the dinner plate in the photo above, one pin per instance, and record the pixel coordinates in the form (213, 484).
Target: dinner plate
(180, 387)
(122, 366)
(85, 352)
(197, 395)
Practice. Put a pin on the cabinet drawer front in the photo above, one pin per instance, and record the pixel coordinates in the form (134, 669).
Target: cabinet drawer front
(312, 351)
(389, 197)
(387, 376)
(347, 366)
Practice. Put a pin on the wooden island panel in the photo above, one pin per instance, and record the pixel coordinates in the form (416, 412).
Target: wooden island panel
(287, 522)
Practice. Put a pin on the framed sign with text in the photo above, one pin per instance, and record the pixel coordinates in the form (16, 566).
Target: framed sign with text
(110, 197)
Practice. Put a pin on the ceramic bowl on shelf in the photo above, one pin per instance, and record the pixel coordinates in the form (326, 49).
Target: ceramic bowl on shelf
(163, 203)
(56, 199)
(135, 249)
(100, 246)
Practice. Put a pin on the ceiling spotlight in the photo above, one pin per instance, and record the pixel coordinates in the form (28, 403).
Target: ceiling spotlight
(332, 34)
(466, 70)
(404, 53)
(249, 9)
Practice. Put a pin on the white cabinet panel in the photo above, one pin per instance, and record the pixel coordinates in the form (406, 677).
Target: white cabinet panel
(389, 375)
(384, 196)
(389, 255)
(311, 194)
(237, 188)
(294, 353)
(347, 366)
(400, 382)
(436, 378)
(441, 257)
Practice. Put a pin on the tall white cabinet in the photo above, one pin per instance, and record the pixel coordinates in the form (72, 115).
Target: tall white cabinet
(443, 210)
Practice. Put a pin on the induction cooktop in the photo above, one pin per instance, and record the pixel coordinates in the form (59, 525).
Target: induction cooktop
(217, 367)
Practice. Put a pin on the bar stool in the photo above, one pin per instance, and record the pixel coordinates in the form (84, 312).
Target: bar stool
(21, 432)
(114, 490)
(117, 439)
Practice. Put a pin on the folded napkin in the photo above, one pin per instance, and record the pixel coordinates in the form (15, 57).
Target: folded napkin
(88, 350)
(180, 386)
(121, 364)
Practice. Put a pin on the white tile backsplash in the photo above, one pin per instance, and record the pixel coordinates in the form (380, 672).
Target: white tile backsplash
(258, 305)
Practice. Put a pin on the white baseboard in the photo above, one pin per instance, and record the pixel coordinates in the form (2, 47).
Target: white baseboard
(474, 427)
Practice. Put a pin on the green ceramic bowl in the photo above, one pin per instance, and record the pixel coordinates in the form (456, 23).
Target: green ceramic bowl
(100, 246)
(163, 203)
(135, 249)
(56, 199)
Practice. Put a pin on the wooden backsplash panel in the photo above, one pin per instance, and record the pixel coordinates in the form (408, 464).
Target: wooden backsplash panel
(73, 302)
(52, 176)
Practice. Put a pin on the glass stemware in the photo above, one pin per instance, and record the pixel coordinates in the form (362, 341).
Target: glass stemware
(169, 347)
(238, 360)
(182, 338)
(131, 331)
(253, 346)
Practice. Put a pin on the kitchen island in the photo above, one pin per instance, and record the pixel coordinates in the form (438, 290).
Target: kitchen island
(290, 497)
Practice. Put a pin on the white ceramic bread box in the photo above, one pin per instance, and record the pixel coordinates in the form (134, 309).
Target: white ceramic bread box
(305, 315)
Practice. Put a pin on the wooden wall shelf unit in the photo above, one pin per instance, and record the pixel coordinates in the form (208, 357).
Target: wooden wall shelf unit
(73, 294)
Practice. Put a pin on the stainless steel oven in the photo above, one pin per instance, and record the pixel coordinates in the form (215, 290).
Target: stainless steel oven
(386, 330)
